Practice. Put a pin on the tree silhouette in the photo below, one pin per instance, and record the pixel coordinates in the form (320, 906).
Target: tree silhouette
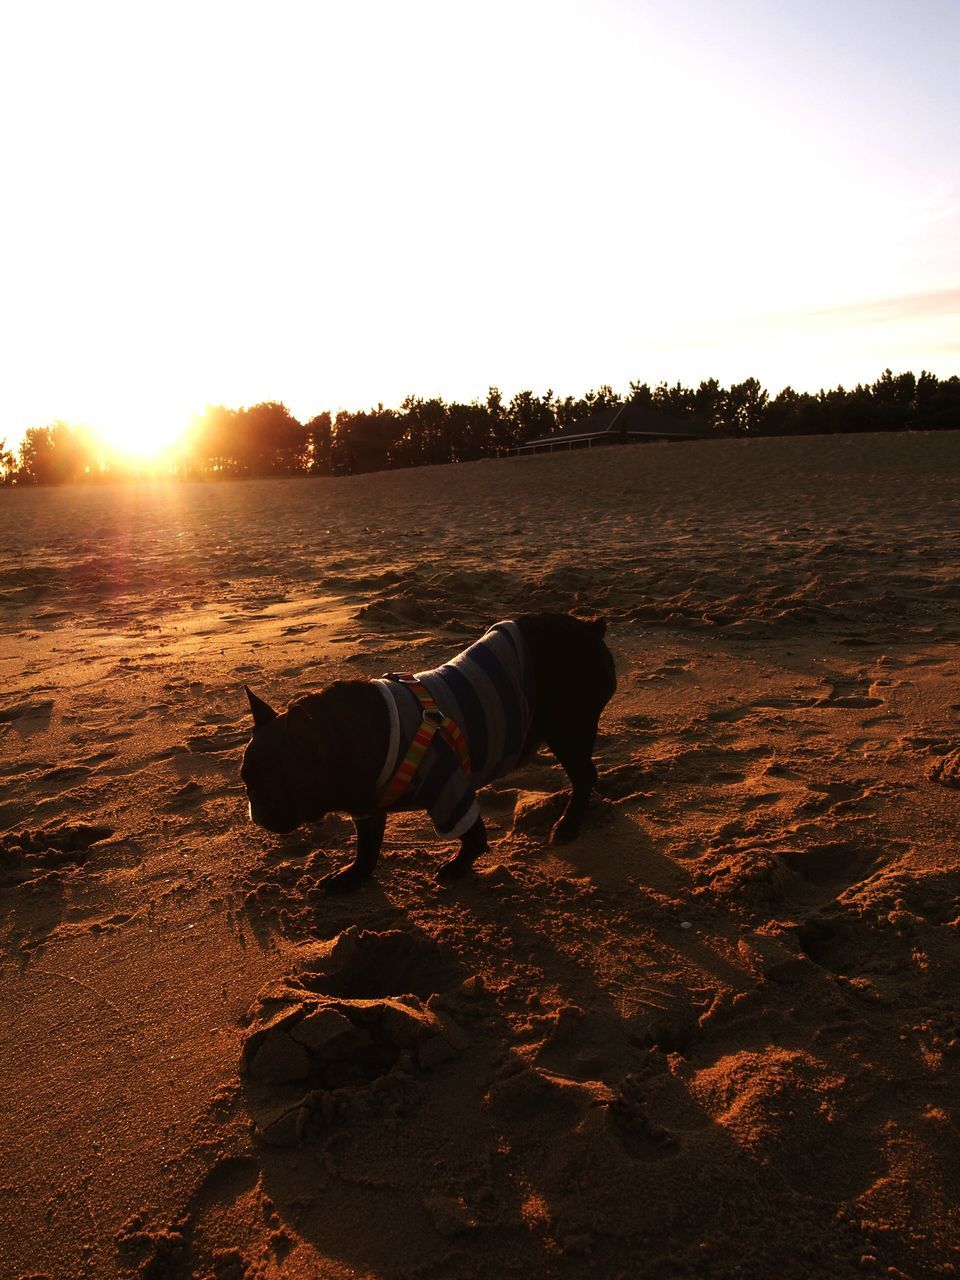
(365, 441)
(743, 408)
(8, 463)
(527, 417)
(54, 455)
(319, 443)
(270, 441)
(267, 440)
(707, 405)
(938, 404)
(209, 446)
(424, 434)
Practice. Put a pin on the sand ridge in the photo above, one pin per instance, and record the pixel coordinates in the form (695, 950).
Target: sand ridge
(716, 1036)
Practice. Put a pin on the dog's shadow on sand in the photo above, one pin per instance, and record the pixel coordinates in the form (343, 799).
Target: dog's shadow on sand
(539, 1069)
(551, 1118)
(552, 1138)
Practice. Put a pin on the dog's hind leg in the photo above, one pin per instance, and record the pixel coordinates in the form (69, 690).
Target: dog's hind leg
(575, 679)
(573, 748)
(370, 828)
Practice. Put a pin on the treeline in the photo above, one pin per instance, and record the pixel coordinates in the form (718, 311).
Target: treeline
(266, 440)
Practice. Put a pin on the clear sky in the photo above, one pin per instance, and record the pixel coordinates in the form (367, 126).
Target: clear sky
(335, 204)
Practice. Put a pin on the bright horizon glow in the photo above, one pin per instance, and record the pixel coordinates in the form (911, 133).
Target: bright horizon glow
(143, 442)
(336, 206)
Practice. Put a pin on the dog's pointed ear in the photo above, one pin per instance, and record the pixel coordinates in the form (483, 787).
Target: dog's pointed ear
(262, 713)
(299, 715)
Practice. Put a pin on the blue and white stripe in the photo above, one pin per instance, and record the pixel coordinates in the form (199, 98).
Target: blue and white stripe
(488, 691)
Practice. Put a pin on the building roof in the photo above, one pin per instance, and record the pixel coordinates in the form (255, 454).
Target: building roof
(630, 420)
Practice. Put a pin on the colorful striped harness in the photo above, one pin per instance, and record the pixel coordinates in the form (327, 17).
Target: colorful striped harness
(433, 722)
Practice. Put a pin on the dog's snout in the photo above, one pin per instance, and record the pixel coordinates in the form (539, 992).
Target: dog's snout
(269, 819)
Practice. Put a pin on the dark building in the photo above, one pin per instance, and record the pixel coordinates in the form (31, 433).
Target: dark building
(628, 423)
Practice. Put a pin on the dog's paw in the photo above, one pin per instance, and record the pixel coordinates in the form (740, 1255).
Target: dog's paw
(343, 881)
(565, 831)
(454, 868)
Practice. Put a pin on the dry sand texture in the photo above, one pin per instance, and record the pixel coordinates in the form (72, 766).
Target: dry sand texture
(716, 1037)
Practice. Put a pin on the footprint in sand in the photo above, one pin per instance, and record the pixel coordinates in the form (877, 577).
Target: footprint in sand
(63, 777)
(714, 765)
(645, 722)
(790, 703)
(833, 866)
(626, 782)
(38, 709)
(851, 692)
(101, 757)
(672, 669)
(186, 796)
(787, 702)
(839, 797)
(762, 799)
(225, 738)
(36, 858)
(888, 923)
(725, 777)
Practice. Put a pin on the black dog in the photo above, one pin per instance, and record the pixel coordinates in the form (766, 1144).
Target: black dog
(543, 679)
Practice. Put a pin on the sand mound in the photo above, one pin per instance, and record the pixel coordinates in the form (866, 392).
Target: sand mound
(333, 1057)
(366, 963)
(946, 769)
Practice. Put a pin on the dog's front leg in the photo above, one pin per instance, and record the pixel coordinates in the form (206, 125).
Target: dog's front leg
(369, 829)
(473, 843)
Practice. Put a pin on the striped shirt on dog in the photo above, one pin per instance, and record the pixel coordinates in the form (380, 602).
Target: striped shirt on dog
(488, 690)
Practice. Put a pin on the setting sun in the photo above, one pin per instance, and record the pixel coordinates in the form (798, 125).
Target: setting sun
(142, 441)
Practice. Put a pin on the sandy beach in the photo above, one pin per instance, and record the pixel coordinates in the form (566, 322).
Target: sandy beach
(718, 1036)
